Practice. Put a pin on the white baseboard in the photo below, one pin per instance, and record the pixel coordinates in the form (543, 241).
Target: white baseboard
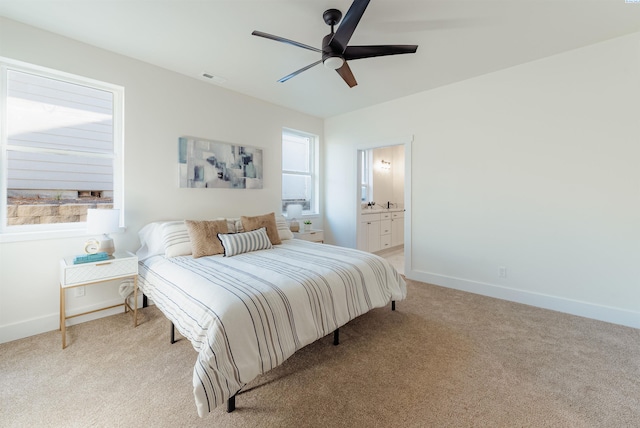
(51, 322)
(574, 307)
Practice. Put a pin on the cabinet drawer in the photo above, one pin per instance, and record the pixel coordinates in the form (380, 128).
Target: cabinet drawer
(370, 217)
(313, 236)
(397, 214)
(99, 271)
(385, 216)
(385, 241)
(385, 227)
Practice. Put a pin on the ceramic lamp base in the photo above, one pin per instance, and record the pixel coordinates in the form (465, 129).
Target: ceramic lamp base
(106, 245)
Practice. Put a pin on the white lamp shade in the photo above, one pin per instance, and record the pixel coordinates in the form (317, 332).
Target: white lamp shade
(103, 221)
(294, 211)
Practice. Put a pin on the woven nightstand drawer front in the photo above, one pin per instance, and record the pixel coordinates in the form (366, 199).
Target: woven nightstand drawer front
(78, 274)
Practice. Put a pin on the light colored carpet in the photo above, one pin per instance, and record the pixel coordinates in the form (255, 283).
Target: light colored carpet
(444, 359)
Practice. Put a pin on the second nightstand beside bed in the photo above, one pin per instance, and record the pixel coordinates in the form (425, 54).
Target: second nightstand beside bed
(314, 235)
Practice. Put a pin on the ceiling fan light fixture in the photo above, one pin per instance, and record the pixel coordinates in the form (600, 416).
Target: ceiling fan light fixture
(336, 52)
(333, 62)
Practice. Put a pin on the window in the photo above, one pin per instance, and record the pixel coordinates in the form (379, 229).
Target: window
(61, 146)
(299, 171)
(366, 191)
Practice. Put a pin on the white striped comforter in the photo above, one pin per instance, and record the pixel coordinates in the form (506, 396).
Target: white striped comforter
(247, 314)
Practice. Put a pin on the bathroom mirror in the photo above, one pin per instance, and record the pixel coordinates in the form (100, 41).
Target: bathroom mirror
(383, 177)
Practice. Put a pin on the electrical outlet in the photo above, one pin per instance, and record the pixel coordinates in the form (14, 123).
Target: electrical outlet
(79, 291)
(502, 271)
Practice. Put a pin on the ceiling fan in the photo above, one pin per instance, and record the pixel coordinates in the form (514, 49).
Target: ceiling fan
(335, 50)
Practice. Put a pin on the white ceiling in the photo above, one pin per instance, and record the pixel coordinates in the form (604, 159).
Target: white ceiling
(458, 39)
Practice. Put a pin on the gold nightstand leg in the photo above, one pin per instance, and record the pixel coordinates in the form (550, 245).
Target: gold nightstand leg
(63, 323)
(132, 305)
(135, 301)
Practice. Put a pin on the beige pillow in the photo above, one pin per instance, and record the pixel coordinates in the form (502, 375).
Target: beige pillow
(204, 237)
(266, 220)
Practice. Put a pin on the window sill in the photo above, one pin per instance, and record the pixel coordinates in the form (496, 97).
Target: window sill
(39, 235)
(314, 215)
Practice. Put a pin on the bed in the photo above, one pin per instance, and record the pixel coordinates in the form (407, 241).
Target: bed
(246, 314)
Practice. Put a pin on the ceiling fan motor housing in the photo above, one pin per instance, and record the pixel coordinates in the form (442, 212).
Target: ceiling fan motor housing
(330, 59)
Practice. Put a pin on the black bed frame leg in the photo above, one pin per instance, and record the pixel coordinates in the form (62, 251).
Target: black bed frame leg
(336, 337)
(145, 301)
(173, 334)
(231, 404)
(393, 305)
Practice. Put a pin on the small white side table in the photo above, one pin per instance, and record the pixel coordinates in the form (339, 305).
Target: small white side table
(314, 235)
(121, 265)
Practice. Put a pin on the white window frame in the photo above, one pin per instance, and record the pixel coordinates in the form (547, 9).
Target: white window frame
(314, 166)
(57, 230)
(366, 178)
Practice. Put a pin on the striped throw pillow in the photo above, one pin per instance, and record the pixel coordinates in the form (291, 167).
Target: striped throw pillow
(283, 228)
(238, 243)
(175, 238)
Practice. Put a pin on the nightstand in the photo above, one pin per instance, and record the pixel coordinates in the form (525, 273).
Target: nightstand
(120, 266)
(314, 235)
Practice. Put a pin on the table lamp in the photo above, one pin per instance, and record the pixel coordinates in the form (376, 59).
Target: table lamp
(104, 221)
(294, 212)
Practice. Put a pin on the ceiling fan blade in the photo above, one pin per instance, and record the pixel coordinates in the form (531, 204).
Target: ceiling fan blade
(283, 40)
(348, 25)
(347, 75)
(295, 73)
(358, 52)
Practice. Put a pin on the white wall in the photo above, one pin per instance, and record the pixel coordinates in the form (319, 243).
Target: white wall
(534, 168)
(388, 184)
(160, 106)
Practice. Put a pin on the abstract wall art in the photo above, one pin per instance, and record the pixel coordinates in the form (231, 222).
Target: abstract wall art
(214, 164)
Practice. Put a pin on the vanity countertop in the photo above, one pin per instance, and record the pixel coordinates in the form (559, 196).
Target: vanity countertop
(380, 210)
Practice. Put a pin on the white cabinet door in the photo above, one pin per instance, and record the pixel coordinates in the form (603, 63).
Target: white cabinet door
(373, 236)
(363, 236)
(397, 229)
(369, 236)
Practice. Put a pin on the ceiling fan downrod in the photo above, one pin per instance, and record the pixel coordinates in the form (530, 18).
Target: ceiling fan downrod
(331, 59)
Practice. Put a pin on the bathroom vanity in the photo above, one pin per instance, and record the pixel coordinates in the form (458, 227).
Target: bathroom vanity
(380, 229)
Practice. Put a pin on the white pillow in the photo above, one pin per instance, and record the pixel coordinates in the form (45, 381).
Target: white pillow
(150, 240)
(175, 238)
(244, 242)
(237, 224)
(231, 224)
(283, 228)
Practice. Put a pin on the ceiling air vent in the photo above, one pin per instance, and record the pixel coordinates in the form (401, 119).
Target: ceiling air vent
(216, 79)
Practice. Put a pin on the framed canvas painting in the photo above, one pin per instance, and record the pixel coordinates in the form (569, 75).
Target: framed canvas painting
(214, 164)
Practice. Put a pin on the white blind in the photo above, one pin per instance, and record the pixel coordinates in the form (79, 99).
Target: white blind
(296, 150)
(298, 185)
(59, 134)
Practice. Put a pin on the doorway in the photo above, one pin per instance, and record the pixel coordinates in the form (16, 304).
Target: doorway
(384, 195)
